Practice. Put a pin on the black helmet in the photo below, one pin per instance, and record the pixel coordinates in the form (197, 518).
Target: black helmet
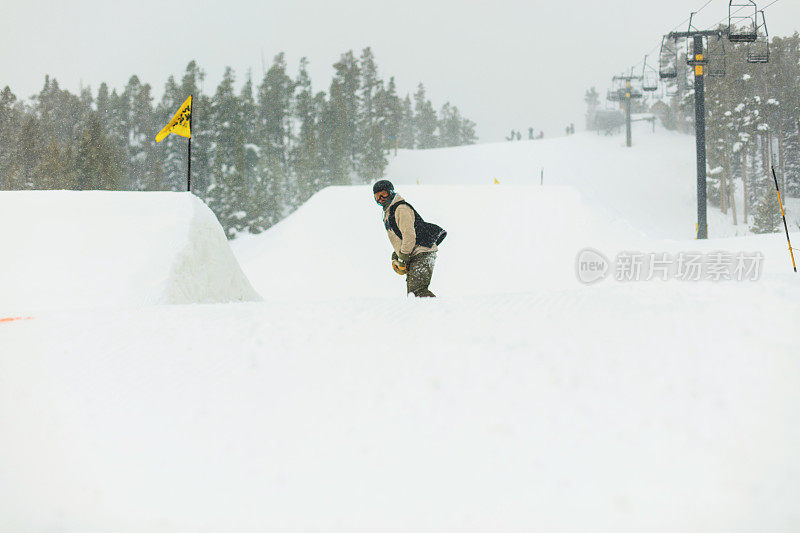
(382, 185)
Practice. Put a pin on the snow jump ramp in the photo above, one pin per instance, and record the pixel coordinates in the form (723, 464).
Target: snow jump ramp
(67, 249)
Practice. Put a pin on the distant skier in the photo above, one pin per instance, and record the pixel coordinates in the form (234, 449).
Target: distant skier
(415, 241)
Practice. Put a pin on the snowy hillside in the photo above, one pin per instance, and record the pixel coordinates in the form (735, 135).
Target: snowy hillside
(519, 400)
(651, 187)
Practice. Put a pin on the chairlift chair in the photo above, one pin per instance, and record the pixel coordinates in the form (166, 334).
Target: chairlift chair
(715, 52)
(758, 50)
(668, 58)
(742, 21)
(649, 77)
(691, 59)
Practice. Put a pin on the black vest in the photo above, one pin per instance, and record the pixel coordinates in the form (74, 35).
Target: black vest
(428, 234)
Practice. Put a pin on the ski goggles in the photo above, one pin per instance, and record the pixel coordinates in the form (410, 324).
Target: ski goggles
(381, 195)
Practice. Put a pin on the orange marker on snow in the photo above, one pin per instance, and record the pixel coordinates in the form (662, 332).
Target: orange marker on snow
(15, 318)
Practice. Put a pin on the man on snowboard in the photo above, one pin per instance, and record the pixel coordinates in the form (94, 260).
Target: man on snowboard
(414, 240)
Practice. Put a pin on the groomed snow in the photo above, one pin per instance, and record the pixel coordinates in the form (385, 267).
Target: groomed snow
(519, 400)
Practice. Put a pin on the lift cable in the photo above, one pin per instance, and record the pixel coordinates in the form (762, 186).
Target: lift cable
(720, 21)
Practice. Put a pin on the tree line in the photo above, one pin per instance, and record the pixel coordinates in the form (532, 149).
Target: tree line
(753, 121)
(258, 152)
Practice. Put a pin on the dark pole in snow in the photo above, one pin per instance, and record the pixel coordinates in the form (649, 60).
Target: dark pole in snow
(700, 136)
(628, 113)
(189, 166)
(783, 215)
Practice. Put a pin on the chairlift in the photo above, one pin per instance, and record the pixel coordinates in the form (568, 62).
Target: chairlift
(634, 93)
(668, 58)
(691, 58)
(613, 95)
(715, 53)
(649, 77)
(742, 21)
(758, 50)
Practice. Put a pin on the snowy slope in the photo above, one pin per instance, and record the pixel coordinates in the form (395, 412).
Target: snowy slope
(66, 249)
(651, 186)
(519, 400)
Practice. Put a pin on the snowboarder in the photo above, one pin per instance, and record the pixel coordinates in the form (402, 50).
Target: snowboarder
(415, 241)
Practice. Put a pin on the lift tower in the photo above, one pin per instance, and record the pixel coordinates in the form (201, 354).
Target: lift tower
(625, 93)
(742, 28)
(698, 61)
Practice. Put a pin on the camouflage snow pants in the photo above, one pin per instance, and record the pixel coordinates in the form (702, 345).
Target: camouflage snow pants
(420, 272)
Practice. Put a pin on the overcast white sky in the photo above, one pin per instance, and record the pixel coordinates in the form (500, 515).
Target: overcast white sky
(504, 64)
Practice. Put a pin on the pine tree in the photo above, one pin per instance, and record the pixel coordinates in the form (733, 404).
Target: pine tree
(227, 197)
(370, 161)
(10, 119)
(274, 102)
(139, 141)
(767, 215)
(306, 159)
(407, 134)
(340, 128)
(347, 79)
(60, 113)
(425, 120)
(28, 154)
(390, 109)
(452, 130)
(98, 158)
(274, 131)
(247, 125)
(468, 135)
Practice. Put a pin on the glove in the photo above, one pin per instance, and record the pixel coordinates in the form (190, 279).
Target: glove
(399, 266)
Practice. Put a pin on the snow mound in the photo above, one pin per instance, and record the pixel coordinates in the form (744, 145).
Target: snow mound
(500, 239)
(66, 249)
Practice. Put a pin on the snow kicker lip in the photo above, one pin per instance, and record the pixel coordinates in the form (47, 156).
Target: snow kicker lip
(591, 266)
